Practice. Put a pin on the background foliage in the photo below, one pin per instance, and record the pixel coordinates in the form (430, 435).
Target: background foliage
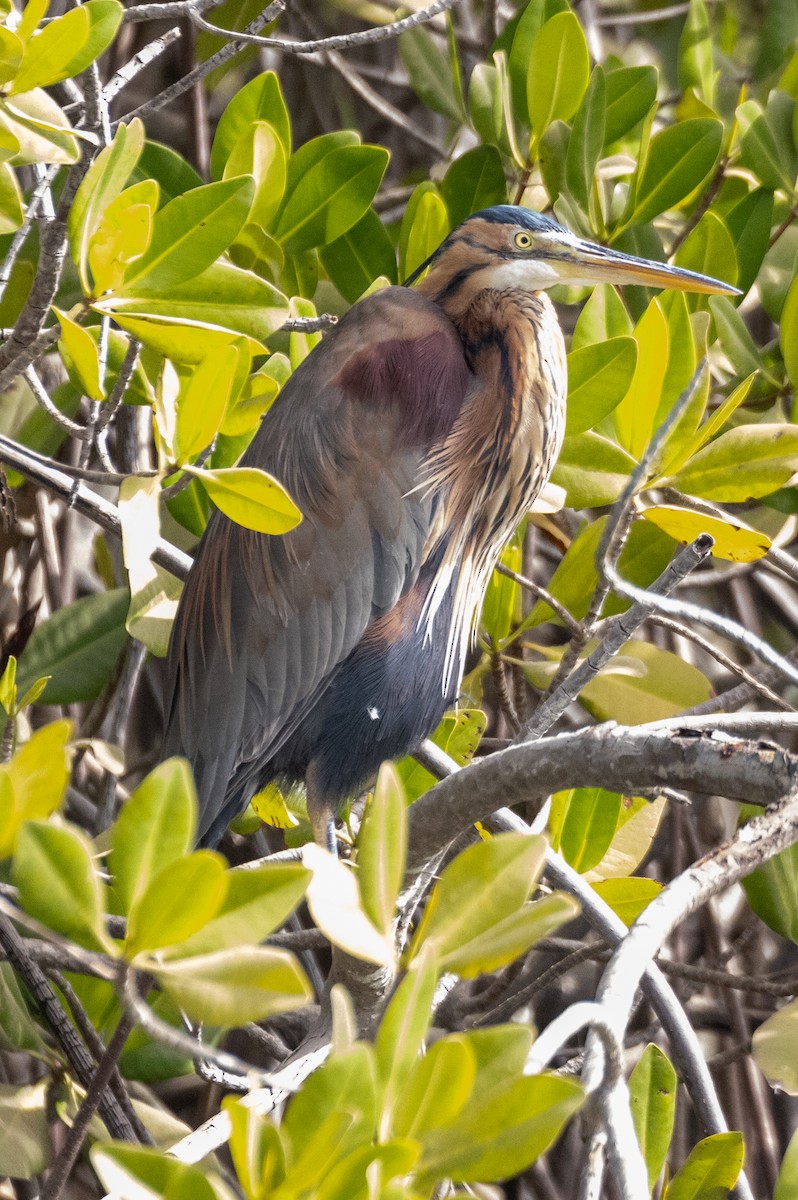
(182, 214)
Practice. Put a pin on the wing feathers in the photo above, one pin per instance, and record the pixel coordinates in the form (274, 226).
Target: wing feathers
(264, 620)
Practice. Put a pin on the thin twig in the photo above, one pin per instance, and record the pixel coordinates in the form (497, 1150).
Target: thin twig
(40, 394)
(141, 60)
(344, 41)
(66, 1159)
(618, 631)
(67, 1036)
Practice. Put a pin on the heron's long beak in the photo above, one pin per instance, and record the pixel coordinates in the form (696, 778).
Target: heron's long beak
(581, 262)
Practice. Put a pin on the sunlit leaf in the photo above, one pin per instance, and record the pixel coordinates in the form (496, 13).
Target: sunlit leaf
(559, 69)
(250, 497)
(652, 1095)
(711, 1169)
(59, 884)
(231, 987)
(679, 159)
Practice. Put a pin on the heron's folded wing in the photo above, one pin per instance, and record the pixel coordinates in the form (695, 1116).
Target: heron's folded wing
(265, 620)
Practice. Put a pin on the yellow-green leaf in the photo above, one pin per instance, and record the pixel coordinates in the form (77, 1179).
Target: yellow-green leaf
(627, 897)
(734, 542)
(203, 403)
(182, 897)
(79, 350)
(251, 498)
(231, 987)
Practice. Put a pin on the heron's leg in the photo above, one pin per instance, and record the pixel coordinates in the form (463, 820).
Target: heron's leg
(321, 812)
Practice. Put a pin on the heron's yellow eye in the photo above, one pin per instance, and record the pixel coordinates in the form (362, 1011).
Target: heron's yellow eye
(523, 241)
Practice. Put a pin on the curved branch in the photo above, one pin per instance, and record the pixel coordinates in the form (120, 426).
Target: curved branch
(619, 758)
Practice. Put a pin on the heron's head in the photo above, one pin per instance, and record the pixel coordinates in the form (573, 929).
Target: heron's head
(510, 247)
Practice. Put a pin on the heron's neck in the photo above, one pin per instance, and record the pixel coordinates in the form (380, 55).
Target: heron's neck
(502, 447)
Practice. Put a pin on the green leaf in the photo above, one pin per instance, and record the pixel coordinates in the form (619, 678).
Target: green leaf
(404, 1026)
(80, 351)
(430, 73)
(655, 685)
(251, 498)
(18, 1031)
(231, 987)
(436, 1089)
(635, 417)
(787, 1182)
(743, 463)
(256, 1148)
(587, 825)
(260, 153)
(359, 256)
(59, 885)
(344, 1086)
(652, 1096)
(774, 1048)
(535, 13)
(788, 335)
(732, 541)
(627, 897)
(78, 647)
(39, 128)
(719, 418)
(642, 559)
(123, 235)
(331, 198)
(33, 783)
(259, 100)
(695, 54)
(604, 316)
(599, 376)
(351, 1177)
(631, 91)
(680, 158)
(486, 106)
(68, 44)
(424, 226)
(25, 1143)
(501, 605)
(222, 297)
(12, 48)
(472, 182)
(501, 1133)
(183, 341)
(335, 905)
(708, 247)
(587, 139)
(169, 170)
(749, 224)
(482, 885)
(772, 889)
(160, 915)
(203, 402)
(736, 342)
(11, 213)
(593, 471)
(766, 146)
(102, 183)
(190, 233)
(154, 829)
(711, 1170)
(257, 902)
(8, 686)
(459, 734)
(511, 936)
(559, 70)
(382, 847)
(142, 1170)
